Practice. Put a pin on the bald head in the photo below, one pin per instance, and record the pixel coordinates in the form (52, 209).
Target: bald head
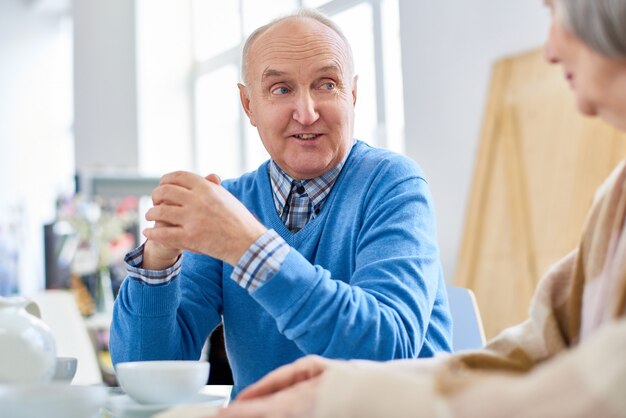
(314, 15)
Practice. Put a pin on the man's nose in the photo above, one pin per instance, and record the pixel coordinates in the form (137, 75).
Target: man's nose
(305, 109)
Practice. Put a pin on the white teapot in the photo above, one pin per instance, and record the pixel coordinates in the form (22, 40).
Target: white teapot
(27, 348)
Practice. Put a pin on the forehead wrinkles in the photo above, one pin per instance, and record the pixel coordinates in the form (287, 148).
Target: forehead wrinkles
(319, 46)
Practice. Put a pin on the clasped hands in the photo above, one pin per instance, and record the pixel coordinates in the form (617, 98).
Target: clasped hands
(197, 214)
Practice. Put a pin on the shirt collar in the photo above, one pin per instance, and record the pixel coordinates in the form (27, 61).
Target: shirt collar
(316, 188)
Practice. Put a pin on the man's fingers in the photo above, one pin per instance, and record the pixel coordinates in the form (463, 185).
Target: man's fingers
(182, 178)
(170, 194)
(158, 224)
(166, 215)
(166, 235)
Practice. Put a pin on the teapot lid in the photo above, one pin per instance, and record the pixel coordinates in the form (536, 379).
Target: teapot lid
(13, 301)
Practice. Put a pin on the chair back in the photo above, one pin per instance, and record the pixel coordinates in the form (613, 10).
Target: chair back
(467, 327)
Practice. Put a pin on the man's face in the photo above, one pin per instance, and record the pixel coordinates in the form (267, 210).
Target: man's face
(300, 96)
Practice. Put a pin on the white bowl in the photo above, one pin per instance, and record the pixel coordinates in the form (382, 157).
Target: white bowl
(162, 382)
(52, 400)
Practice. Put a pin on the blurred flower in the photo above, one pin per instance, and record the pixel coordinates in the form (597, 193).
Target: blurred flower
(106, 230)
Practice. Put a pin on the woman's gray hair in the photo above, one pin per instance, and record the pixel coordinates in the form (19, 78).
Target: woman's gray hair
(301, 13)
(601, 24)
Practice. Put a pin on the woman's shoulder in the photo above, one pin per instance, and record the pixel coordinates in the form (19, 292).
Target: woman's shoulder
(613, 183)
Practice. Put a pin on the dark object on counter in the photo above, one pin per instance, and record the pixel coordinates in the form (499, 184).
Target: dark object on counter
(59, 248)
(220, 367)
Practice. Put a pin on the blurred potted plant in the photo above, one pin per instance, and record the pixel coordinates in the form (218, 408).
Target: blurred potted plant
(106, 231)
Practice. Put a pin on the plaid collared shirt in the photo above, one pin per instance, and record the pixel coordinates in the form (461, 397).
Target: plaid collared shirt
(296, 202)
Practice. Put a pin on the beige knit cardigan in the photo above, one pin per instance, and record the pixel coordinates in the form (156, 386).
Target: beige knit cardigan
(567, 360)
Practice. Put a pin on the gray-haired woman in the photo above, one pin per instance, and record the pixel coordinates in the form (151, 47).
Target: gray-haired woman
(569, 358)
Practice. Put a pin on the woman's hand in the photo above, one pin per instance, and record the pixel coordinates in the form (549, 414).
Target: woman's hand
(287, 392)
(297, 401)
(286, 376)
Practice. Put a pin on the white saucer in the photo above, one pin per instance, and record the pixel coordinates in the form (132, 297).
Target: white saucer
(122, 406)
(54, 400)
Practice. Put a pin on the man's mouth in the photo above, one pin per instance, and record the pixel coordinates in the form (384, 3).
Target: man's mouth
(306, 137)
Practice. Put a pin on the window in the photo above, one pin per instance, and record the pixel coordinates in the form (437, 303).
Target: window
(225, 142)
(217, 27)
(220, 148)
(258, 12)
(357, 24)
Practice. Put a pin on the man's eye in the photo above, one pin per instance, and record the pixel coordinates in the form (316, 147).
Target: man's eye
(280, 90)
(328, 85)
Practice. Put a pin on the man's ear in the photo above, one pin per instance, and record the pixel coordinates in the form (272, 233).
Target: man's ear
(354, 80)
(245, 102)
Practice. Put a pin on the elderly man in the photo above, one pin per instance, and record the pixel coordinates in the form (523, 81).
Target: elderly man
(329, 248)
(568, 358)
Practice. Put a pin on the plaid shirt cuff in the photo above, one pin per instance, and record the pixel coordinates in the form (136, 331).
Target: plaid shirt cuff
(134, 260)
(261, 261)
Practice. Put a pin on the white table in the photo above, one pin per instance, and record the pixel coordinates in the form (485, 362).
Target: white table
(216, 390)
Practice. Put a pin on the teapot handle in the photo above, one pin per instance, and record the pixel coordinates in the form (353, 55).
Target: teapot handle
(33, 309)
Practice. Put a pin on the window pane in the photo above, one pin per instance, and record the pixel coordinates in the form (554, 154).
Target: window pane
(255, 152)
(356, 24)
(257, 13)
(163, 54)
(217, 122)
(313, 3)
(216, 27)
(393, 76)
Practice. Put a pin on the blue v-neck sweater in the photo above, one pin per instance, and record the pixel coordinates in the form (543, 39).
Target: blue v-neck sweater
(361, 280)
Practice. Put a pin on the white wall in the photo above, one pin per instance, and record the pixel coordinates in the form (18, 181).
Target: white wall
(164, 63)
(132, 62)
(105, 87)
(448, 50)
(36, 148)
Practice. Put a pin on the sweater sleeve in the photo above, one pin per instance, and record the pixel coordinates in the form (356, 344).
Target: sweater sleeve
(541, 336)
(384, 311)
(585, 381)
(169, 321)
